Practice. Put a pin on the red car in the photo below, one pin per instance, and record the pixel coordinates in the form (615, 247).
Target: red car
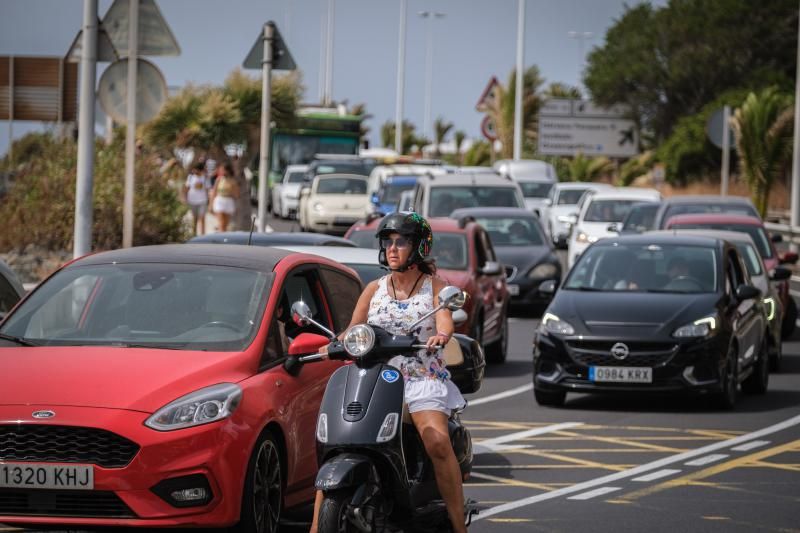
(145, 387)
(765, 245)
(464, 258)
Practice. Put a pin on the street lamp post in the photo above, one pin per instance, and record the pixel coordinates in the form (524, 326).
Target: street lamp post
(582, 37)
(401, 69)
(520, 75)
(430, 15)
(328, 98)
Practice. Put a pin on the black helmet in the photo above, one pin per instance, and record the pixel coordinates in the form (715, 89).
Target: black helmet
(412, 226)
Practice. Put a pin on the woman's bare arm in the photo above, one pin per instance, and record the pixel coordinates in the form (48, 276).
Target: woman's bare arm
(444, 317)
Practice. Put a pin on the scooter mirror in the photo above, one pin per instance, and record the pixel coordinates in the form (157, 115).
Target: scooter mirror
(301, 313)
(452, 298)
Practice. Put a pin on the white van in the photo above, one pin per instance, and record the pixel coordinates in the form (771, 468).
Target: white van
(535, 178)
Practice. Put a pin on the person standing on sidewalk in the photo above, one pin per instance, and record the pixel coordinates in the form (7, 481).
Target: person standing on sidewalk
(196, 190)
(224, 195)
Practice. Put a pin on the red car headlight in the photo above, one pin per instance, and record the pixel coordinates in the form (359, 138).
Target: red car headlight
(199, 407)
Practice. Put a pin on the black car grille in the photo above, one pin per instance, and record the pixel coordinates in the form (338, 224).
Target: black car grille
(65, 444)
(73, 503)
(641, 353)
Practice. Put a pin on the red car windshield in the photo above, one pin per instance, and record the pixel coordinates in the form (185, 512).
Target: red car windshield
(186, 307)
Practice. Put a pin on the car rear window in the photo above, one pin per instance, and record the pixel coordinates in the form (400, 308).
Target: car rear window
(702, 208)
(512, 231)
(342, 186)
(532, 189)
(757, 233)
(569, 196)
(296, 177)
(445, 200)
(608, 210)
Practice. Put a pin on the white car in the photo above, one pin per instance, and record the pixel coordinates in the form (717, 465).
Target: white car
(601, 209)
(561, 209)
(286, 194)
(333, 203)
(535, 178)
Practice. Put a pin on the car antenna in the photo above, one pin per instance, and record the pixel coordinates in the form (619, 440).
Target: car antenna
(252, 227)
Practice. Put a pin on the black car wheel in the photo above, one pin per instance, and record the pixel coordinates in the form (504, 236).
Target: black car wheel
(262, 502)
(496, 352)
(726, 397)
(789, 319)
(758, 381)
(550, 398)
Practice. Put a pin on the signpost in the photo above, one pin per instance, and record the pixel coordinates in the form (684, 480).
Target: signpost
(719, 133)
(268, 52)
(569, 127)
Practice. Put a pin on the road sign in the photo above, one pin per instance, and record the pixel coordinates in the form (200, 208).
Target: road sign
(559, 107)
(281, 57)
(155, 38)
(105, 48)
(488, 128)
(488, 96)
(714, 129)
(569, 127)
(151, 91)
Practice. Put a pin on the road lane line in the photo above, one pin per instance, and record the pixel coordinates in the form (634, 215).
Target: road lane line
(750, 445)
(512, 482)
(641, 469)
(501, 395)
(713, 458)
(490, 445)
(594, 493)
(657, 475)
(621, 440)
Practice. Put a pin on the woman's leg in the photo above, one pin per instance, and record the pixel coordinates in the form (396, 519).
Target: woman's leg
(432, 427)
(223, 221)
(317, 505)
(201, 222)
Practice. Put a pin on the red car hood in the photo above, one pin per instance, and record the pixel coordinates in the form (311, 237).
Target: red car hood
(116, 378)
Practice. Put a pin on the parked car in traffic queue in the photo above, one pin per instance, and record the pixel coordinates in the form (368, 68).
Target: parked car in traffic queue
(145, 387)
(523, 249)
(273, 238)
(556, 214)
(465, 258)
(654, 313)
(286, 194)
(333, 203)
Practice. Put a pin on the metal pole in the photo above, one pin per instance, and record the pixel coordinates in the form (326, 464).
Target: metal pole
(428, 78)
(520, 76)
(726, 149)
(266, 107)
(323, 41)
(82, 237)
(130, 124)
(329, 55)
(401, 69)
(11, 108)
(795, 201)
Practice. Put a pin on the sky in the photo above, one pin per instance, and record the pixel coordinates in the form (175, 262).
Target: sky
(475, 40)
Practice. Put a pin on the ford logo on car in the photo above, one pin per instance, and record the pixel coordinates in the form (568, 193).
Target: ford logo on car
(620, 351)
(43, 414)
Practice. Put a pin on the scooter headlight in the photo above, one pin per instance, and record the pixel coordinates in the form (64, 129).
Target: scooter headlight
(359, 340)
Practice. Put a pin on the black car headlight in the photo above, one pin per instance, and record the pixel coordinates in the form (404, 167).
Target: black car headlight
(702, 327)
(553, 324)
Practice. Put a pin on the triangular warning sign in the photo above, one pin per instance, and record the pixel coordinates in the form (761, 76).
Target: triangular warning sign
(106, 53)
(281, 57)
(155, 36)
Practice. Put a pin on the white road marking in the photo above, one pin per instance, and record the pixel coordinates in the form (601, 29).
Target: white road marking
(501, 395)
(496, 444)
(657, 475)
(713, 458)
(750, 445)
(594, 493)
(660, 463)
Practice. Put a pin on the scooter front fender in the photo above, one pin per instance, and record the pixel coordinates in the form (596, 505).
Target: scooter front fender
(345, 470)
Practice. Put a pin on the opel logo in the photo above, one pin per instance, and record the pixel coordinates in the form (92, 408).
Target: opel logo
(43, 414)
(620, 351)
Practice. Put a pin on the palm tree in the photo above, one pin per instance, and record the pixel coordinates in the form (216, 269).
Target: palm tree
(583, 168)
(501, 109)
(763, 127)
(409, 136)
(360, 110)
(441, 128)
(459, 137)
(561, 90)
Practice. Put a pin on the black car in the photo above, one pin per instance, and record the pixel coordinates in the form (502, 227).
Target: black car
(654, 313)
(275, 238)
(521, 245)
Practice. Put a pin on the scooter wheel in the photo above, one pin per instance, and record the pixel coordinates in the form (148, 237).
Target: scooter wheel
(333, 513)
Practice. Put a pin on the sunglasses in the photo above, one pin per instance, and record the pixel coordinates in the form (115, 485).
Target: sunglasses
(400, 242)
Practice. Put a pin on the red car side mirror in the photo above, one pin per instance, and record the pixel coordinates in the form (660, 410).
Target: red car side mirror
(307, 343)
(789, 258)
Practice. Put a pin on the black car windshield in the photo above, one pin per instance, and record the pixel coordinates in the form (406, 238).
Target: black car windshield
(391, 192)
(367, 272)
(512, 231)
(707, 208)
(757, 233)
(445, 200)
(646, 267)
(449, 249)
(342, 186)
(608, 210)
(533, 189)
(569, 196)
(179, 306)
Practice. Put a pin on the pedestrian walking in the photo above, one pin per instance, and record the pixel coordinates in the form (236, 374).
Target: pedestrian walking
(224, 195)
(196, 190)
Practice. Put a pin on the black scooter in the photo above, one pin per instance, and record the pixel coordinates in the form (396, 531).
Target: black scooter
(375, 473)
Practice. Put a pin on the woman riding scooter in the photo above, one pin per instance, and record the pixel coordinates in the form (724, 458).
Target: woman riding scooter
(394, 302)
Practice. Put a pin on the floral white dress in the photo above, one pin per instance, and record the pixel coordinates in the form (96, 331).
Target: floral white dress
(427, 381)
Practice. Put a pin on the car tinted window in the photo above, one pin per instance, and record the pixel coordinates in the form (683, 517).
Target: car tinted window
(757, 233)
(450, 251)
(342, 186)
(8, 296)
(532, 189)
(296, 177)
(512, 231)
(364, 238)
(641, 217)
(570, 196)
(191, 307)
(751, 259)
(391, 192)
(607, 210)
(343, 293)
(700, 208)
(340, 167)
(445, 200)
(651, 268)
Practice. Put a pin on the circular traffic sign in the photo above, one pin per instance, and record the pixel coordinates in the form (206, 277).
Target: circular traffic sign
(488, 128)
(151, 91)
(714, 129)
